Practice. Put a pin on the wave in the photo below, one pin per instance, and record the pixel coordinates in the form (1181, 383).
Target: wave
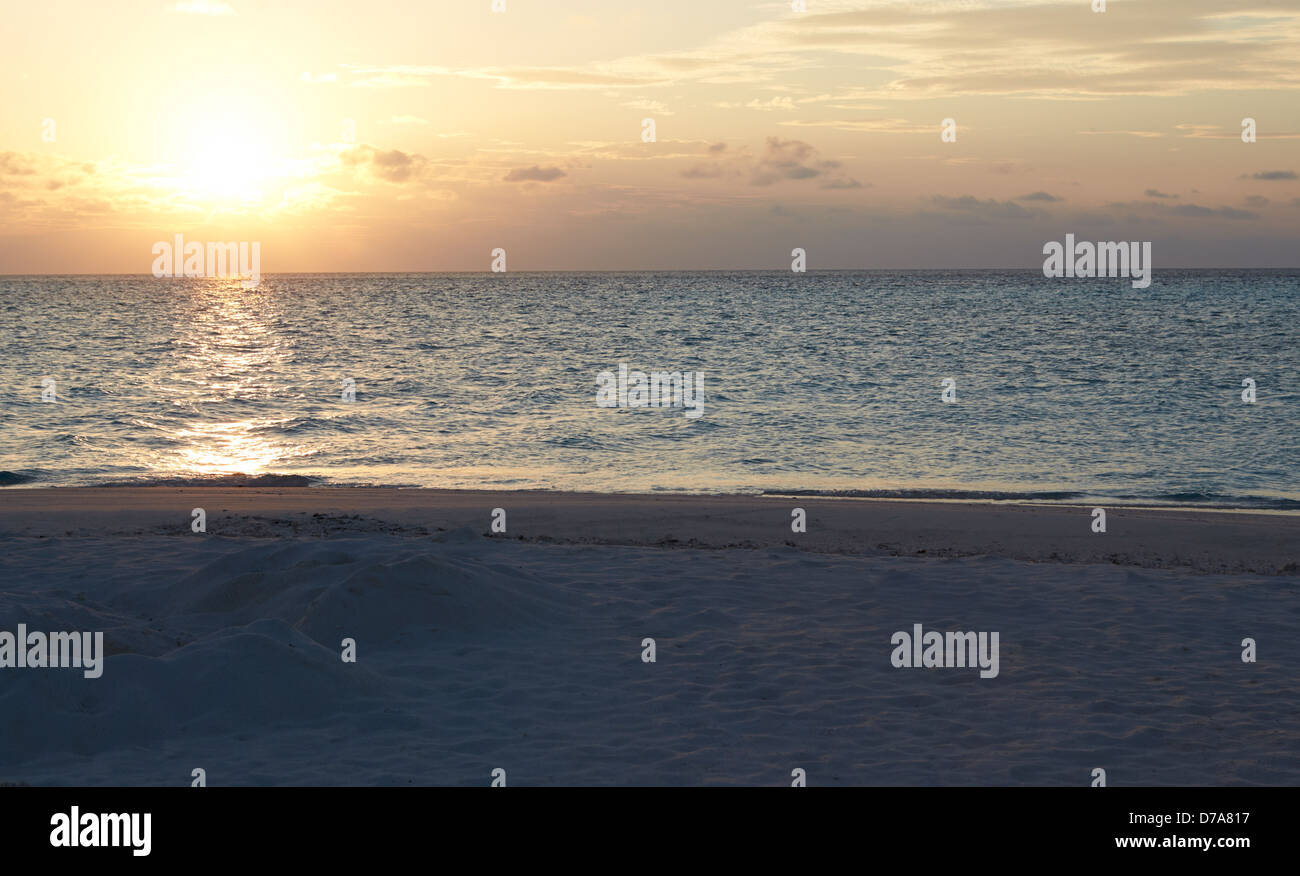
(1198, 500)
(224, 480)
(930, 493)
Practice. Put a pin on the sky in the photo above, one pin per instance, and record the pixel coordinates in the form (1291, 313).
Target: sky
(390, 135)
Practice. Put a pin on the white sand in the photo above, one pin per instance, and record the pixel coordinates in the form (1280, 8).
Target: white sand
(477, 653)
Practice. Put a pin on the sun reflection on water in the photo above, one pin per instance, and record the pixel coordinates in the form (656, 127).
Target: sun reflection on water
(226, 357)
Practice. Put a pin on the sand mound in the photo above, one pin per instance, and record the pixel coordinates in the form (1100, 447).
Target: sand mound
(360, 589)
(260, 675)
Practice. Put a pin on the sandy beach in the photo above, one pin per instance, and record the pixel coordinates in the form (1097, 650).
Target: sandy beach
(525, 650)
(1191, 540)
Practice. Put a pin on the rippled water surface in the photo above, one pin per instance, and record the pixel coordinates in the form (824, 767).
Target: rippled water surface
(818, 381)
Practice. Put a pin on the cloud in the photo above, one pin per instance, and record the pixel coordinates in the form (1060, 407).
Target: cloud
(990, 209)
(48, 172)
(1039, 196)
(408, 75)
(1274, 174)
(1198, 212)
(780, 161)
(1257, 201)
(1037, 48)
(1218, 132)
(649, 106)
(772, 103)
(534, 174)
(871, 126)
(1156, 193)
(703, 171)
(410, 120)
(1144, 134)
(788, 160)
(711, 169)
(392, 166)
(13, 164)
(908, 49)
(319, 79)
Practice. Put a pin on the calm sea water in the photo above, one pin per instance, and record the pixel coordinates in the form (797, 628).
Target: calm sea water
(1066, 389)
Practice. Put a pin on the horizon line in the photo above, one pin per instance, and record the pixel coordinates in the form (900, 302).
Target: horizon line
(1295, 267)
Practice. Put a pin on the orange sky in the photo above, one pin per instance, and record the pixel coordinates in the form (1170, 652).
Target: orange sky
(421, 135)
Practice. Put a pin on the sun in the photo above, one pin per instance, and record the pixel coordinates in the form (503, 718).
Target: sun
(230, 164)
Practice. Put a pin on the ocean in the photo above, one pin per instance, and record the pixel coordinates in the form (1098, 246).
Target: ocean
(824, 382)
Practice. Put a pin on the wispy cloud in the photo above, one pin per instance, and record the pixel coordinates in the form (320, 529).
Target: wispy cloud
(534, 174)
(649, 106)
(869, 126)
(1219, 132)
(1144, 134)
(776, 102)
(1199, 212)
(989, 209)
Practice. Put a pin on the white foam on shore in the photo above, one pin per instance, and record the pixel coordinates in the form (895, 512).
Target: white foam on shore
(477, 653)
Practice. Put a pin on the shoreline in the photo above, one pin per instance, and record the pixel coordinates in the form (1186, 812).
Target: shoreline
(1209, 541)
(1043, 498)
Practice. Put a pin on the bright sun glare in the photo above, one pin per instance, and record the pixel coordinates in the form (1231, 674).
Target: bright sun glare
(228, 165)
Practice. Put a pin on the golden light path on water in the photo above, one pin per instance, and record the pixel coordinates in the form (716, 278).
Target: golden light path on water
(229, 354)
